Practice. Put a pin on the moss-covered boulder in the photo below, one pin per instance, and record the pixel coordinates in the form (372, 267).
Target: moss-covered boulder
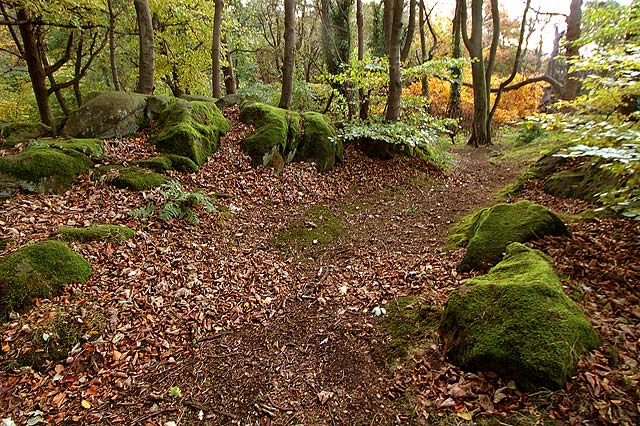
(134, 178)
(277, 134)
(92, 148)
(518, 322)
(42, 169)
(318, 142)
(20, 132)
(488, 232)
(108, 233)
(229, 100)
(155, 106)
(41, 269)
(107, 115)
(162, 163)
(189, 129)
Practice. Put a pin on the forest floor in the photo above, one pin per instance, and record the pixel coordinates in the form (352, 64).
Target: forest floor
(228, 321)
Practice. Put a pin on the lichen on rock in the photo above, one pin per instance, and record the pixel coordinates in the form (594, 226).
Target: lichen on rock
(489, 231)
(517, 321)
(107, 115)
(40, 269)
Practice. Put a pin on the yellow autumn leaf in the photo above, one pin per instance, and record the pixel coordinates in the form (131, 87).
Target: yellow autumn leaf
(465, 416)
(85, 403)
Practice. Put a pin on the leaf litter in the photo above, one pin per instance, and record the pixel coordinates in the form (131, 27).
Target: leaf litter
(211, 323)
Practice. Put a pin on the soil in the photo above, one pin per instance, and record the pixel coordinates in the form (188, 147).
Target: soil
(213, 323)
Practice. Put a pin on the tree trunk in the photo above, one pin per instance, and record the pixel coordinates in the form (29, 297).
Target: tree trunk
(146, 61)
(395, 70)
(406, 47)
(363, 111)
(35, 68)
(227, 70)
(479, 134)
(454, 109)
(572, 84)
(117, 86)
(216, 89)
(289, 53)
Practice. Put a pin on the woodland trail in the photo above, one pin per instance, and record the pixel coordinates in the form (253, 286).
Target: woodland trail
(217, 323)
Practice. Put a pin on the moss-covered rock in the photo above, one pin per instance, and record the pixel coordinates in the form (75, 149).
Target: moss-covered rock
(107, 115)
(318, 144)
(409, 323)
(41, 269)
(518, 322)
(92, 148)
(109, 233)
(277, 134)
(20, 132)
(189, 129)
(488, 232)
(155, 106)
(161, 163)
(42, 169)
(134, 178)
(229, 100)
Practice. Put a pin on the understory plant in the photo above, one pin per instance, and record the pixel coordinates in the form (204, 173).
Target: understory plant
(176, 203)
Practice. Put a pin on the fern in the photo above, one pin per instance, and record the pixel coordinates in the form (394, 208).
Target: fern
(143, 211)
(177, 204)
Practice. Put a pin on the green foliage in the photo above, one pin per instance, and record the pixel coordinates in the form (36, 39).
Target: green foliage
(622, 161)
(41, 269)
(424, 137)
(134, 178)
(176, 204)
(529, 131)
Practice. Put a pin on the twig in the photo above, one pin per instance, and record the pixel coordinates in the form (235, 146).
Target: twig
(198, 406)
(153, 414)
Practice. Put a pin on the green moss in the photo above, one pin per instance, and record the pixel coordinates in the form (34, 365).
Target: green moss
(20, 132)
(517, 321)
(43, 169)
(189, 129)
(488, 232)
(317, 143)
(270, 138)
(409, 322)
(162, 163)
(110, 233)
(134, 178)
(318, 227)
(92, 148)
(63, 331)
(38, 270)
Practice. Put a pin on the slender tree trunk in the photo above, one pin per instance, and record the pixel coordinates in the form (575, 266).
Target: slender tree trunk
(387, 21)
(35, 68)
(77, 70)
(395, 69)
(406, 47)
(473, 43)
(215, 50)
(289, 53)
(227, 70)
(454, 109)
(363, 111)
(146, 60)
(117, 86)
(572, 84)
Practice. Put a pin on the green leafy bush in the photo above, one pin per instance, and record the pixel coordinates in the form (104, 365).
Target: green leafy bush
(530, 130)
